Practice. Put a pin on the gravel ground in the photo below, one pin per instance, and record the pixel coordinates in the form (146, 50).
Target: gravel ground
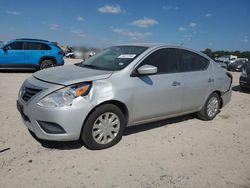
(179, 152)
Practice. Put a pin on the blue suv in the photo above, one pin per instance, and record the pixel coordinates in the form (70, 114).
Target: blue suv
(30, 54)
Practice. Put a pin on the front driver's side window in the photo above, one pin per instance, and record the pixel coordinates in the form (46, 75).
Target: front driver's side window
(166, 60)
(15, 46)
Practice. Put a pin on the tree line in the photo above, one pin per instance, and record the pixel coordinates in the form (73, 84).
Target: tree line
(220, 53)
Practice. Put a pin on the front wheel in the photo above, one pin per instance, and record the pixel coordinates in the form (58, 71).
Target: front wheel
(211, 108)
(104, 127)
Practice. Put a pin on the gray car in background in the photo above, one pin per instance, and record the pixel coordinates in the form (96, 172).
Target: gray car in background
(222, 64)
(121, 86)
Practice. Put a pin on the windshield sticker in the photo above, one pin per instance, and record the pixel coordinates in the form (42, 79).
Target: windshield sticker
(127, 56)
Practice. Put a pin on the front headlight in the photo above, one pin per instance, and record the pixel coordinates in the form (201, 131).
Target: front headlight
(65, 96)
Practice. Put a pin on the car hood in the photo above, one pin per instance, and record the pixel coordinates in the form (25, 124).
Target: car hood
(70, 74)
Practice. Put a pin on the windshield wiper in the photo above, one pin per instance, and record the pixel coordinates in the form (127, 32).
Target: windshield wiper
(90, 66)
(93, 67)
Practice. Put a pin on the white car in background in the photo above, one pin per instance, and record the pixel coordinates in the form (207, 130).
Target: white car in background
(79, 54)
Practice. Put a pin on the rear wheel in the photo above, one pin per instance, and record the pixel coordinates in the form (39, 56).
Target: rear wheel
(47, 63)
(104, 127)
(243, 88)
(211, 108)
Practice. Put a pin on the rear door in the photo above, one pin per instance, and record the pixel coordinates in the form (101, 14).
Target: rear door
(198, 80)
(160, 94)
(13, 56)
(34, 51)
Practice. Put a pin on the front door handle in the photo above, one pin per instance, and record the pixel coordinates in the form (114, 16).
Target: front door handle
(175, 83)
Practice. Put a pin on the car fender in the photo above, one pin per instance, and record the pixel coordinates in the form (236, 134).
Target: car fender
(47, 57)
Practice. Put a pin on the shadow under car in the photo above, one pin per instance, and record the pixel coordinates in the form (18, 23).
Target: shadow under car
(69, 145)
(240, 89)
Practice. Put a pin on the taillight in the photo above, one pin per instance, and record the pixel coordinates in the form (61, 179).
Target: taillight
(62, 53)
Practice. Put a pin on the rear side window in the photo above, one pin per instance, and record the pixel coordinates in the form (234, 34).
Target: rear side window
(190, 61)
(15, 46)
(32, 46)
(166, 60)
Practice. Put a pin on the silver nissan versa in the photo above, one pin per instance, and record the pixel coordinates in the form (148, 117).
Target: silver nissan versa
(121, 86)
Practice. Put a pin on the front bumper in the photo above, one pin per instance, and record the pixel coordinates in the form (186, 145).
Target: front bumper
(70, 118)
(245, 81)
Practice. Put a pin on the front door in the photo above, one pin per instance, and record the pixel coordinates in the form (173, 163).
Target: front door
(12, 55)
(158, 95)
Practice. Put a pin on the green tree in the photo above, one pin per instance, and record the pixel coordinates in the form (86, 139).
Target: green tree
(209, 53)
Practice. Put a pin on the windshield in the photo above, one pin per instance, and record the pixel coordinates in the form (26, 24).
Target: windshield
(114, 58)
(4, 43)
(240, 62)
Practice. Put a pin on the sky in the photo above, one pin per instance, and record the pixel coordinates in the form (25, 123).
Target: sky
(198, 24)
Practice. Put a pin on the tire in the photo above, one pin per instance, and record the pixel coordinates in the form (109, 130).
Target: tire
(207, 113)
(243, 88)
(98, 127)
(47, 63)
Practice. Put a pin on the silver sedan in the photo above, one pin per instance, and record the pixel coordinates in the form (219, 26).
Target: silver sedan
(121, 86)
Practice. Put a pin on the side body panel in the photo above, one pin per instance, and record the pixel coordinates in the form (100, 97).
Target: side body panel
(11, 58)
(55, 53)
(198, 85)
(33, 56)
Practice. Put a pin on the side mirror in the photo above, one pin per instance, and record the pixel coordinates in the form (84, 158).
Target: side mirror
(145, 70)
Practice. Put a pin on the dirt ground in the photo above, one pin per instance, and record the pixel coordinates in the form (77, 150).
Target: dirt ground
(179, 152)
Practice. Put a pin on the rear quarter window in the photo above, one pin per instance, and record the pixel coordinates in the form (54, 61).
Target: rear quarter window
(57, 47)
(45, 47)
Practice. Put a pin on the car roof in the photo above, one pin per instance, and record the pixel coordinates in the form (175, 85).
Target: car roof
(163, 45)
(148, 45)
(156, 45)
(32, 40)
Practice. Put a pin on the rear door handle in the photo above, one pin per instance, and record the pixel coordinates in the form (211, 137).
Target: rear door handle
(210, 80)
(175, 83)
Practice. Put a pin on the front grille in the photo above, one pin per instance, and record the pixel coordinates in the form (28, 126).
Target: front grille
(29, 92)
